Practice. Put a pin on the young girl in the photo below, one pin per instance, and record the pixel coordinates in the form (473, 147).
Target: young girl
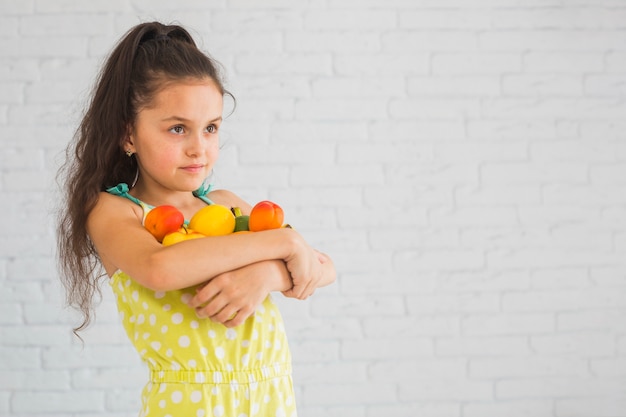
(198, 312)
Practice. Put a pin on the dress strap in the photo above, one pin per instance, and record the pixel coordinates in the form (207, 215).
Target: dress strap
(201, 192)
(121, 190)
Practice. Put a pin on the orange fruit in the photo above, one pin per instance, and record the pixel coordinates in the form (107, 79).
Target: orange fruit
(265, 215)
(162, 220)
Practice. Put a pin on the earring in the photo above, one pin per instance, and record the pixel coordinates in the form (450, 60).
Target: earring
(129, 153)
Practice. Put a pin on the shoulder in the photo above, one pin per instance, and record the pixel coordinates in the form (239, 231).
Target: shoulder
(111, 206)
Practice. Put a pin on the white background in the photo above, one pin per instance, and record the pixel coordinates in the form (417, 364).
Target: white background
(463, 161)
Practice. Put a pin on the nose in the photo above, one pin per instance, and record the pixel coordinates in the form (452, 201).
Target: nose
(195, 142)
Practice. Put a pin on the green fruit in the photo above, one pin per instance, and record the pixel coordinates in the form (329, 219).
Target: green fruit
(241, 221)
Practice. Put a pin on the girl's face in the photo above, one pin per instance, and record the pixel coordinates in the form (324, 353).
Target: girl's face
(175, 138)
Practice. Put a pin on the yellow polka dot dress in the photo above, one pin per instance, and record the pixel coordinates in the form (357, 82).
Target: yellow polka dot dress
(199, 368)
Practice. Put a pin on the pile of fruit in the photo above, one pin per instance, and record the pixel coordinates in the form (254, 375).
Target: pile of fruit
(166, 223)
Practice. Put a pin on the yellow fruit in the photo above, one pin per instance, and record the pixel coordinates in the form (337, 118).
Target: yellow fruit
(213, 220)
(180, 235)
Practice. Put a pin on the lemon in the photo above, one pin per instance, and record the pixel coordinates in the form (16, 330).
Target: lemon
(213, 220)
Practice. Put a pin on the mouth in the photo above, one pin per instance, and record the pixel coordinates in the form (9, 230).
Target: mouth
(193, 167)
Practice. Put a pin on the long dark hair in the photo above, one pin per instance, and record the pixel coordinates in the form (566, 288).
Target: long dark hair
(147, 55)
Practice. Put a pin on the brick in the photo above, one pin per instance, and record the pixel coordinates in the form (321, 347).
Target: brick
(524, 367)
(51, 47)
(269, 86)
(59, 401)
(380, 349)
(123, 400)
(428, 40)
(443, 259)
(35, 380)
(563, 62)
(92, 356)
(488, 195)
(506, 130)
(34, 336)
(454, 86)
(381, 87)
(10, 313)
(285, 132)
(508, 324)
(453, 303)
(437, 173)
(292, 64)
(69, 24)
(322, 372)
(346, 175)
(540, 85)
(546, 40)
(569, 150)
(564, 300)
(353, 394)
(385, 63)
(556, 387)
(444, 19)
(418, 408)
(405, 371)
(552, 108)
(446, 389)
(129, 378)
(517, 408)
(19, 358)
(413, 237)
(475, 216)
(483, 346)
(281, 155)
(257, 20)
(535, 172)
(346, 20)
(434, 108)
(345, 109)
(588, 344)
(608, 173)
(603, 406)
(412, 327)
(359, 306)
(476, 63)
(563, 278)
(337, 41)
(384, 153)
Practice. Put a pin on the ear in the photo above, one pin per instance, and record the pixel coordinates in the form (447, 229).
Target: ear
(128, 144)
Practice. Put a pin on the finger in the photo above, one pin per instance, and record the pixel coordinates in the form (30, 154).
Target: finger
(213, 307)
(225, 314)
(204, 295)
(238, 319)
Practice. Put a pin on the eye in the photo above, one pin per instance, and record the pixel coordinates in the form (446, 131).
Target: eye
(211, 128)
(178, 130)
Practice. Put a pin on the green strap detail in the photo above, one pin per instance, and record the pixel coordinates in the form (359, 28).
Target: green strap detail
(121, 190)
(201, 192)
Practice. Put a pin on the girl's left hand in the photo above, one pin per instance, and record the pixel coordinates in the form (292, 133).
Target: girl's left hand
(230, 298)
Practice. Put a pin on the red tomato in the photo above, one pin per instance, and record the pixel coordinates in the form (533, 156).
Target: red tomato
(265, 215)
(163, 220)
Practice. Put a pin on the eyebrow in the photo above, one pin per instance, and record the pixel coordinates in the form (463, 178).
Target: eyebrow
(182, 119)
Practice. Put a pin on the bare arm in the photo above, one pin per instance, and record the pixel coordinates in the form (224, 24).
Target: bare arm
(123, 243)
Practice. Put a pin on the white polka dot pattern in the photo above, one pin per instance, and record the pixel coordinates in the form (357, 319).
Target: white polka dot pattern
(201, 368)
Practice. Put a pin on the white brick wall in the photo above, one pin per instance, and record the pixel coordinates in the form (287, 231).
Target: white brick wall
(464, 161)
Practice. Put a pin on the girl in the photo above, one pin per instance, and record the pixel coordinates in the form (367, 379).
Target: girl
(198, 312)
